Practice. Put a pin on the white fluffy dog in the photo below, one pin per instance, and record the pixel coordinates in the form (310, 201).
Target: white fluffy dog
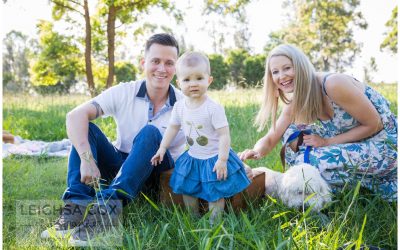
(300, 186)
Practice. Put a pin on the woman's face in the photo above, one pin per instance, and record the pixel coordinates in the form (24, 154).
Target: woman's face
(282, 72)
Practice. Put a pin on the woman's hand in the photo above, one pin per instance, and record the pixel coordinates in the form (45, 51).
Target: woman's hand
(315, 141)
(249, 154)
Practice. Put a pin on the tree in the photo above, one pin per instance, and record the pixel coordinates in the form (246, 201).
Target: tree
(109, 12)
(217, 12)
(62, 8)
(15, 60)
(371, 68)
(324, 31)
(275, 38)
(235, 60)
(253, 71)
(390, 41)
(242, 34)
(125, 71)
(219, 71)
(58, 63)
(127, 11)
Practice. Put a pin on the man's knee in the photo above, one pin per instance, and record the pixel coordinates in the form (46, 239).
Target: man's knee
(150, 133)
(93, 127)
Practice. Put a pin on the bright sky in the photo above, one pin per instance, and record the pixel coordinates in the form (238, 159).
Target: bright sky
(264, 17)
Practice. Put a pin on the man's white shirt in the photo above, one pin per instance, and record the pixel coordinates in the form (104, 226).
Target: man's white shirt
(131, 109)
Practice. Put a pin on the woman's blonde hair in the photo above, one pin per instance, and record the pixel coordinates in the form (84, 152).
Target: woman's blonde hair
(307, 96)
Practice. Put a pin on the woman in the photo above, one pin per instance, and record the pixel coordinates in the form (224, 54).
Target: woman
(351, 131)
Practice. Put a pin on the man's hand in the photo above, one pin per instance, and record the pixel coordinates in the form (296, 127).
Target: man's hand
(158, 157)
(221, 169)
(90, 173)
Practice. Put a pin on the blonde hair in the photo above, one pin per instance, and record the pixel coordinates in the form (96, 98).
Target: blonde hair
(307, 96)
(192, 59)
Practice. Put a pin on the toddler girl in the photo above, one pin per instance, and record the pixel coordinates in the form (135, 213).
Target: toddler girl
(209, 169)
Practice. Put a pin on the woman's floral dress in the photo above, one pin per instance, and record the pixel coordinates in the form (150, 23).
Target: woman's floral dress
(373, 161)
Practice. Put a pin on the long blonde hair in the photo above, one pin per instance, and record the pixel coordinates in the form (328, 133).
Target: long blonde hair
(307, 96)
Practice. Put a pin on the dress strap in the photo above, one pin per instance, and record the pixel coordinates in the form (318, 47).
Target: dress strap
(324, 81)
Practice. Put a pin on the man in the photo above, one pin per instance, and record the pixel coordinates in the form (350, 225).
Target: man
(141, 111)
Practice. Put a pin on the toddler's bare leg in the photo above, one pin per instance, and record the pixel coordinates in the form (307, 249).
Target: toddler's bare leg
(192, 203)
(216, 208)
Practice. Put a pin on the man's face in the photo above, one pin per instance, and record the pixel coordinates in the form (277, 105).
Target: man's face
(159, 66)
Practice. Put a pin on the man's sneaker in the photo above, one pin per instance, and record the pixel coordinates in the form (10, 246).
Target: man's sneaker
(100, 218)
(71, 216)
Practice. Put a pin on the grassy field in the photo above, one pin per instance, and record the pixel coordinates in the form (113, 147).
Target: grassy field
(353, 217)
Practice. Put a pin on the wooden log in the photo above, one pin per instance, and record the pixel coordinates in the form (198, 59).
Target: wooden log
(251, 194)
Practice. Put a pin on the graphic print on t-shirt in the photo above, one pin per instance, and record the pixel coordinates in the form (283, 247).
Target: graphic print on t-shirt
(201, 139)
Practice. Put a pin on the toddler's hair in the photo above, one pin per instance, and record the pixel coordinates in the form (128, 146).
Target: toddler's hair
(192, 59)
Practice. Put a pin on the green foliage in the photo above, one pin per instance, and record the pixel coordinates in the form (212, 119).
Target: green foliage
(275, 38)
(253, 72)
(370, 69)
(15, 61)
(43, 118)
(324, 31)
(219, 71)
(390, 41)
(125, 72)
(224, 6)
(235, 60)
(58, 63)
(151, 225)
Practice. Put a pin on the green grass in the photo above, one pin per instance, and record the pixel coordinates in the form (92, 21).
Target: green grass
(352, 217)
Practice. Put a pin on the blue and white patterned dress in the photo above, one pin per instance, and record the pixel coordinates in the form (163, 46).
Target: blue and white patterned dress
(373, 160)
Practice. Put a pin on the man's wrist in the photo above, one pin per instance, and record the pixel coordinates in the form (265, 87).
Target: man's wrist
(87, 156)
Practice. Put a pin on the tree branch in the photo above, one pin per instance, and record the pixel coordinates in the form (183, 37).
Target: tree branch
(66, 6)
(77, 3)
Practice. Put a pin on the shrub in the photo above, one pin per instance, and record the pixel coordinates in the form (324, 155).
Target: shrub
(219, 71)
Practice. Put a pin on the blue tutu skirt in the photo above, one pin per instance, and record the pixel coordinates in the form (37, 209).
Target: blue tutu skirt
(194, 177)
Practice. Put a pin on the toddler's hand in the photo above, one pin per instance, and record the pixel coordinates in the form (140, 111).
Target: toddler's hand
(158, 157)
(221, 169)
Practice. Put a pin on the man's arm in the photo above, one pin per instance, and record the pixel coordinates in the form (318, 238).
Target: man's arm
(77, 122)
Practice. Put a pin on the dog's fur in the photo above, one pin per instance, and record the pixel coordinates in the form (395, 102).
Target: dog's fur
(300, 186)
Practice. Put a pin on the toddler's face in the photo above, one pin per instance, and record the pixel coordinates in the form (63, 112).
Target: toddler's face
(194, 81)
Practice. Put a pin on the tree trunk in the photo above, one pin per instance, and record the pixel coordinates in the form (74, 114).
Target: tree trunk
(326, 64)
(88, 50)
(111, 43)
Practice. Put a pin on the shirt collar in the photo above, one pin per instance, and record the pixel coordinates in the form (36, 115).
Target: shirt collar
(143, 93)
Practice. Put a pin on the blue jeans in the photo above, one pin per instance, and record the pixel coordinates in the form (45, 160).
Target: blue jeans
(124, 175)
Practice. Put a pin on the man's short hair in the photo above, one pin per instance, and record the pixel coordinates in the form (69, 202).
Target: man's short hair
(162, 39)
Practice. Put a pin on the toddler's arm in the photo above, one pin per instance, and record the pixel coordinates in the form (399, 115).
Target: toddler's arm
(169, 135)
(223, 153)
